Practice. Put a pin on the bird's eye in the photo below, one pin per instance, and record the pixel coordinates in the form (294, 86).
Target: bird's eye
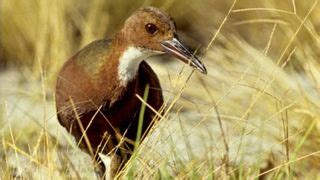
(151, 28)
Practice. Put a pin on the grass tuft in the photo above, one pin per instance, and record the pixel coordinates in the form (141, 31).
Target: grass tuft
(256, 114)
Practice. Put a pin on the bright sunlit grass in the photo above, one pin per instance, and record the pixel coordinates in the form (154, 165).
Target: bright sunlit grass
(256, 113)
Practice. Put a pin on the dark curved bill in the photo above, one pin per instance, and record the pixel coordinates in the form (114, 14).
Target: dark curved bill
(175, 48)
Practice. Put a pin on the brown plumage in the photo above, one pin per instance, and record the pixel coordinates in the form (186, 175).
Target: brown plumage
(92, 95)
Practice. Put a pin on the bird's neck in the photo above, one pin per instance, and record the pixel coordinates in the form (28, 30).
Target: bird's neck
(129, 58)
(129, 62)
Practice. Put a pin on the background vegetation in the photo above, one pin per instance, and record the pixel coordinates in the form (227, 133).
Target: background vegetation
(256, 113)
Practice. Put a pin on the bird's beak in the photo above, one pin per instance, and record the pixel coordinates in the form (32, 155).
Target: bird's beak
(175, 48)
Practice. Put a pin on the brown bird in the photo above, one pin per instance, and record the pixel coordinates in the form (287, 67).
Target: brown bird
(96, 88)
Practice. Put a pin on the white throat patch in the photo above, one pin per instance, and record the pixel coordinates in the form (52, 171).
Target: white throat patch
(129, 63)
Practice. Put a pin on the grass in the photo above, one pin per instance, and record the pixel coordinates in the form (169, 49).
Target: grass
(256, 113)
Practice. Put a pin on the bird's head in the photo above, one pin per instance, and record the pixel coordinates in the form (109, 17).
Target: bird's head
(154, 32)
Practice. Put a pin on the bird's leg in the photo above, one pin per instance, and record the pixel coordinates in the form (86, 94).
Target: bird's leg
(110, 165)
(115, 166)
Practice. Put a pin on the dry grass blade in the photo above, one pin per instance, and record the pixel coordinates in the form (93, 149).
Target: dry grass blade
(254, 115)
(290, 162)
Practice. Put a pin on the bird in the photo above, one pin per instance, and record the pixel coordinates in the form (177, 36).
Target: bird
(96, 89)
